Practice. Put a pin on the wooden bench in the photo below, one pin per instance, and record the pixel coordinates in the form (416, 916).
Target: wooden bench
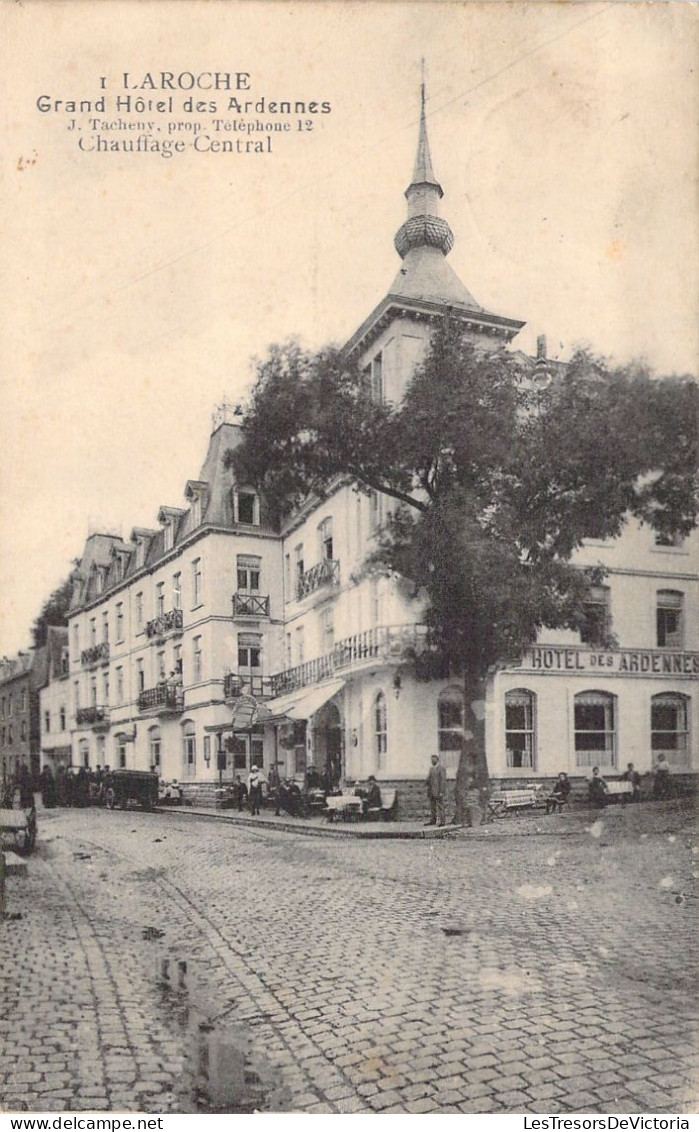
(503, 801)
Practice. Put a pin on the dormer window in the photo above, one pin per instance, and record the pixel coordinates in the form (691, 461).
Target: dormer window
(168, 536)
(247, 508)
(195, 511)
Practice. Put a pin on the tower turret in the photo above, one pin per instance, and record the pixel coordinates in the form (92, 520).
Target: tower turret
(424, 226)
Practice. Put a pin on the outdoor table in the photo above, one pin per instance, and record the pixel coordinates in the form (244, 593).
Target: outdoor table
(347, 806)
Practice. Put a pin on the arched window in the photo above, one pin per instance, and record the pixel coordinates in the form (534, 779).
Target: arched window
(595, 729)
(520, 728)
(380, 731)
(450, 725)
(154, 747)
(669, 727)
(189, 750)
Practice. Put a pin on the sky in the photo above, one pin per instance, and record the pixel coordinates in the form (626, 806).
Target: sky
(139, 289)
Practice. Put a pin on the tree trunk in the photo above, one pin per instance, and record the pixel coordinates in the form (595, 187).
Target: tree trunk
(472, 772)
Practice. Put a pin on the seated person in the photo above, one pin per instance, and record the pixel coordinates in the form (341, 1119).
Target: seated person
(560, 793)
(632, 776)
(597, 788)
(372, 798)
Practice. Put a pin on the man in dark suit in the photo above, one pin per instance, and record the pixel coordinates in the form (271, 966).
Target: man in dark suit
(437, 792)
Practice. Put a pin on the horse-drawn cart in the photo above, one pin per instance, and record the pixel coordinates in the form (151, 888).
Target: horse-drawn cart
(124, 786)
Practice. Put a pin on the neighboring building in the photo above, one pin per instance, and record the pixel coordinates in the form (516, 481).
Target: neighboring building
(166, 629)
(54, 702)
(21, 677)
(171, 631)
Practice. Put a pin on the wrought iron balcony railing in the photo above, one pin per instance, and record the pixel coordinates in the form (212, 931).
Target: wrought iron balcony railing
(385, 643)
(164, 623)
(250, 605)
(237, 684)
(96, 654)
(163, 698)
(92, 716)
(325, 573)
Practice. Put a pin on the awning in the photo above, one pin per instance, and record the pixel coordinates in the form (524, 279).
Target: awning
(302, 704)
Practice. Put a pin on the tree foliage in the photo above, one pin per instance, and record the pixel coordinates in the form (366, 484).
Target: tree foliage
(53, 611)
(496, 480)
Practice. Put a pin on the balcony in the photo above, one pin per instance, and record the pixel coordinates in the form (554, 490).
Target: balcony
(161, 700)
(97, 654)
(95, 717)
(165, 623)
(235, 685)
(325, 573)
(385, 644)
(250, 605)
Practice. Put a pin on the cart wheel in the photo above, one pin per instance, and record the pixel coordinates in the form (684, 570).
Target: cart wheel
(110, 798)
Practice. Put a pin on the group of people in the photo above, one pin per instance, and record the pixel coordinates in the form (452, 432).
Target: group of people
(475, 798)
(71, 786)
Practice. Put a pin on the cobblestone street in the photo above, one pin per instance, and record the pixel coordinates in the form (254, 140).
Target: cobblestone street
(484, 973)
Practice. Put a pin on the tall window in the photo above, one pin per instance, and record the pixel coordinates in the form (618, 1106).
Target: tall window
(177, 590)
(160, 665)
(450, 725)
(168, 535)
(189, 749)
(195, 511)
(373, 377)
(140, 675)
(380, 731)
(249, 651)
(298, 561)
(520, 725)
(299, 638)
(105, 688)
(23, 730)
(120, 621)
(47, 721)
(154, 746)
(327, 629)
(84, 752)
(247, 507)
(120, 685)
(595, 729)
(76, 639)
(325, 531)
(62, 718)
(287, 576)
(93, 691)
(177, 658)
(139, 611)
(376, 602)
(76, 694)
(669, 720)
(105, 627)
(160, 599)
(669, 619)
(597, 623)
(668, 539)
(287, 650)
(93, 631)
(121, 754)
(196, 582)
(197, 660)
(248, 570)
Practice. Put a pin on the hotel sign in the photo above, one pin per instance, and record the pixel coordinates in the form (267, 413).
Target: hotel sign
(624, 662)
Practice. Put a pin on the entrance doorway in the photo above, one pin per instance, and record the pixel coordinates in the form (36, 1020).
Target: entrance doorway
(328, 747)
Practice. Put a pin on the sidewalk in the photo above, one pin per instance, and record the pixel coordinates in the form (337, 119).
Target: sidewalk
(640, 817)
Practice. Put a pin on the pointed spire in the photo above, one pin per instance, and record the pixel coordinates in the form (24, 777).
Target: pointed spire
(423, 173)
(424, 226)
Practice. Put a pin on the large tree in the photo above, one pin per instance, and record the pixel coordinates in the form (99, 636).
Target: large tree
(497, 476)
(54, 610)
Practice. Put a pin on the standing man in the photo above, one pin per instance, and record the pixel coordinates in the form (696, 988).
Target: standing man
(255, 790)
(437, 792)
